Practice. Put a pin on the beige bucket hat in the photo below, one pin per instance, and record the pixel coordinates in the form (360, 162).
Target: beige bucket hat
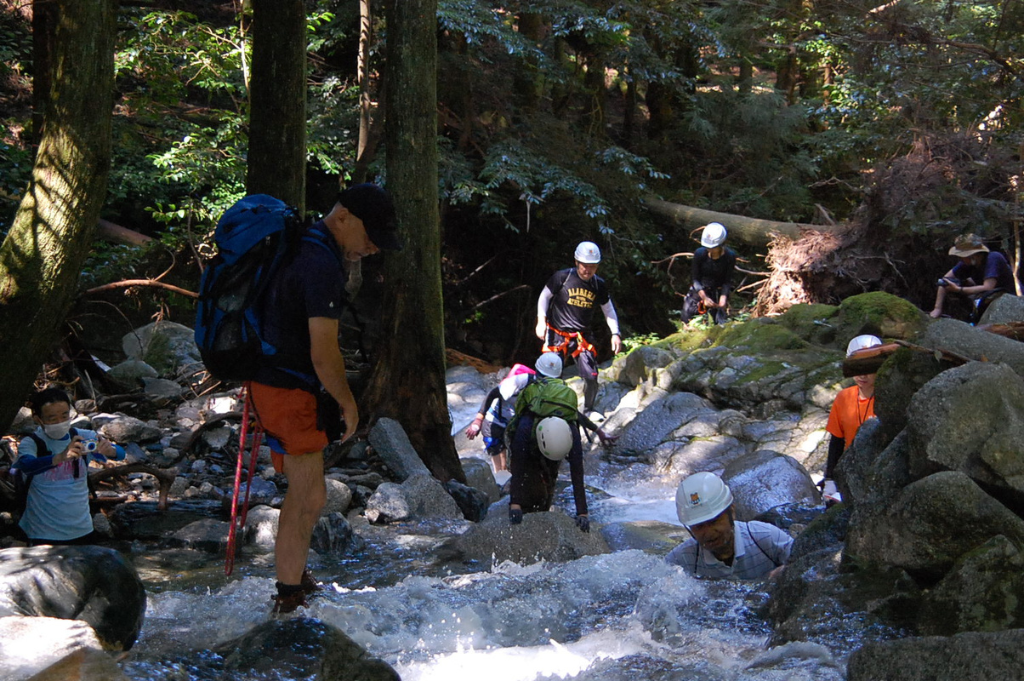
(966, 245)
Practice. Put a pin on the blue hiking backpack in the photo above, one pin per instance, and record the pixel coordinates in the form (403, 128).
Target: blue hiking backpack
(253, 238)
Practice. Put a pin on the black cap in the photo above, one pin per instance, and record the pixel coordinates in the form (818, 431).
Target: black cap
(373, 206)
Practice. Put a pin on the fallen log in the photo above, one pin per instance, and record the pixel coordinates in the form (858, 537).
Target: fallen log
(164, 477)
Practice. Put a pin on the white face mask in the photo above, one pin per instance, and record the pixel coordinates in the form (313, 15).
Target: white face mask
(57, 431)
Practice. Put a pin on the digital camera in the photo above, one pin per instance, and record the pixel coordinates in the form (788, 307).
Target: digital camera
(90, 445)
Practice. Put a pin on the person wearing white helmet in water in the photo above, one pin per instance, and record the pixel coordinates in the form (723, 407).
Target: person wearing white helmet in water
(721, 547)
(545, 431)
(565, 310)
(852, 407)
(713, 267)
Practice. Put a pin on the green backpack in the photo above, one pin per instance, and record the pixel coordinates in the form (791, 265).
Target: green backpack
(544, 397)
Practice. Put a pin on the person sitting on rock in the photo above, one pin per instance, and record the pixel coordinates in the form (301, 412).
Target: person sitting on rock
(540, 441)
(981, 275)
(53, 465)
(721, 547)
(852, 407)
(495, 412)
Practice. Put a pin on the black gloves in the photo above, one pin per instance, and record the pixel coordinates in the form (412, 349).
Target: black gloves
(583, 522)
(515, 516)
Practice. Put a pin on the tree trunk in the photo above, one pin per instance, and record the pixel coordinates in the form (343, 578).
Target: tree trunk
(277, 112)
(408, 380)
(42, 256)
(753, 231)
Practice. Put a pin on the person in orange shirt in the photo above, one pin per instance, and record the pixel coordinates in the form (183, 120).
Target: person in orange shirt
(852, 407)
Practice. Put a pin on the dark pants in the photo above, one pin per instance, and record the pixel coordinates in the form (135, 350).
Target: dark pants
(586, 367)
(691, 305)
(534, 477)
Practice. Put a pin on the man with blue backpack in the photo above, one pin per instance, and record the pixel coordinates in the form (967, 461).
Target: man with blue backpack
(287, 330)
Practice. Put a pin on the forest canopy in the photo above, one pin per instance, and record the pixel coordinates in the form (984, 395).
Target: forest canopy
(899, 121)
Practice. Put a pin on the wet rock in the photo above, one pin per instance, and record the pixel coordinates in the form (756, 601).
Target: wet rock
(339, 497)
(640, 364)
(392, 445)
(130, 374)
(549, 536)
(387, 504)
(1005, 309)
(763, 480)
(143, 521)
(162, 388)
(261, 492)
(208, 535)
(930, 524)
(659, 420)
(480, 476)
(965, 657)
(48, 649)
(982, 592)
(167, 346)
(652, 537)
(471, 502)
(261, 527)
(97, 585)
(125, 429)
(370, 480)
(301, 649)
(704, 455)
(791, 515)
(23, 423)
(333, 534)
(427, 498)
(958, 421)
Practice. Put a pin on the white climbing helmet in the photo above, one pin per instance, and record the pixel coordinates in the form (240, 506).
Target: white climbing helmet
(588, 252)
(713, 236)
(860, 342)
(549, 364)
(554, 438)
(701, 497)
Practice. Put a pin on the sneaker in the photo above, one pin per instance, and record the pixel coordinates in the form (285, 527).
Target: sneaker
(286, 604)
(309, 584)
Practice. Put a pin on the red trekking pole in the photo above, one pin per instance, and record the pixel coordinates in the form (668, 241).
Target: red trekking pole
(237, 523)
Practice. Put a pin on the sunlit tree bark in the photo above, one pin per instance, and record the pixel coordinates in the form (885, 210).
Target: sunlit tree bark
(49, 239)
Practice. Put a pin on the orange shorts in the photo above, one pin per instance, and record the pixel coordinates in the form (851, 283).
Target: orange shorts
(288, 416)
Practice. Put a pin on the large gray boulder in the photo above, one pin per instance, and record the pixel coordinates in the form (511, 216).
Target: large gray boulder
(49, 649)
(334, 534)
(96, 585)
(766, 479)
(166, 346)
(982, 592)
(963, 339)
(930, 525)
(1006, 309)
(387, 504)
(873, 469)
(963, 657)
(300, 649)
(970, 419)
(428, 498)
(480, 476)
(659, 420)
(640, 364)
(392, 444)
(551, 536)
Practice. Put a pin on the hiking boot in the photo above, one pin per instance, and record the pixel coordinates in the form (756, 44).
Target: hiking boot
(288, 600)
(309, 584)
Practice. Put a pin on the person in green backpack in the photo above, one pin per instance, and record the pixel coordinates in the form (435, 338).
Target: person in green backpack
(545, 431)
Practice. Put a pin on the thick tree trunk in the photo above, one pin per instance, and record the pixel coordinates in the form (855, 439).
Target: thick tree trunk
(277, 115)
(42, 256)
(408, 381)
(752, 231)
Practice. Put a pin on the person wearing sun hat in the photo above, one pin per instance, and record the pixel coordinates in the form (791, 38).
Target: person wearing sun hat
(981, 275)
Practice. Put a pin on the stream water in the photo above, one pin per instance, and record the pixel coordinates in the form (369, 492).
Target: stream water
(621, 616)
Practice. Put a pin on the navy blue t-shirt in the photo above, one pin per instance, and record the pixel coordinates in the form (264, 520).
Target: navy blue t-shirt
(995, 266)
(310, 285)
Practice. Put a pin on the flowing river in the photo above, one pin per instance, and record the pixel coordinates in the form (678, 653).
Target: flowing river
(626, 615)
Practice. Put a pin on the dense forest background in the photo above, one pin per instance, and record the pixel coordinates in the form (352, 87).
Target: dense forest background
(892, 125)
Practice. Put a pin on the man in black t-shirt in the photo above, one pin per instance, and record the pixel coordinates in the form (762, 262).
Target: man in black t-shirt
(565, 310)
(301, 312)
(713, 266)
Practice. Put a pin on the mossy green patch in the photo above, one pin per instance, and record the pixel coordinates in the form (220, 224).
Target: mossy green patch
(159, 354)
(760, 335)
(893, 317)
(811, 322)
